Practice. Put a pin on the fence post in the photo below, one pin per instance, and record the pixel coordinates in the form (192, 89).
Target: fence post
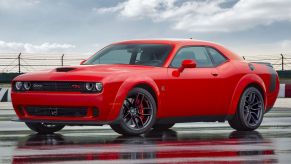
(63, 60)
(19, 69)
(282, 57)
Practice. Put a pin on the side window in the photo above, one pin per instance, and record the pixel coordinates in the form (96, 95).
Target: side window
(216, 56)
(116, 56)
(199, 54)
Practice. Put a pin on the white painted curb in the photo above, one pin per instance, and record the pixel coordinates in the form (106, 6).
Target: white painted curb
(282, 90)
(5, 94)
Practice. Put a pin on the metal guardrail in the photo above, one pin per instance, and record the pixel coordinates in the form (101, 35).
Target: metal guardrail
(279, 61)
(26, 62)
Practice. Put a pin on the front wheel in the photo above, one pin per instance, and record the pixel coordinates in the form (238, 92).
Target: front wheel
(137, 114)
(250, 111)
(44, 128)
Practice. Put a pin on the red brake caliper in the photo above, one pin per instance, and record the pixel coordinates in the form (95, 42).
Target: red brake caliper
(141, 111)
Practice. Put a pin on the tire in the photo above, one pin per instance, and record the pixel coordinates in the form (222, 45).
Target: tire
(163, 126)
(43, 128)
(137, 115)
(250, 111)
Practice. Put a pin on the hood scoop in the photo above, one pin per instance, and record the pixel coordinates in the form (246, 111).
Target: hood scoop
(65, 69)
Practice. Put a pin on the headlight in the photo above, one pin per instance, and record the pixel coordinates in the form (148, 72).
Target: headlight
(93, 87)
(99, 87)
(89, 86)
(26, 85)
(18, 85)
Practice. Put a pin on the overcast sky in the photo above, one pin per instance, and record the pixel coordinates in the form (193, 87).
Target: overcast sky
(248, 27)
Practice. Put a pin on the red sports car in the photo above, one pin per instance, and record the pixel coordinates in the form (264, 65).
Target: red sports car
(141, 84)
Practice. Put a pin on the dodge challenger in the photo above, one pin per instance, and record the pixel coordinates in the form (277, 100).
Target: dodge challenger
(138, 85)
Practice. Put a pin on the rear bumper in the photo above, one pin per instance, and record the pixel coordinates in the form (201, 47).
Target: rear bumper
(55, 100)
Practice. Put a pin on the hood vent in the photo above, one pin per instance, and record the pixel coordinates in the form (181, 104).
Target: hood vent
(64, 69)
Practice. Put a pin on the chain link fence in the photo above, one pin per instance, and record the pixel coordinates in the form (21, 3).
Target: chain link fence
(26, 62)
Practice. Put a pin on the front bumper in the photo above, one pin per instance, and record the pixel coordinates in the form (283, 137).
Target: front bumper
(64, 122)
(97, 107)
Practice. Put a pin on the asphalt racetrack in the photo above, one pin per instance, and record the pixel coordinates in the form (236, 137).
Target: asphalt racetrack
(184, 143)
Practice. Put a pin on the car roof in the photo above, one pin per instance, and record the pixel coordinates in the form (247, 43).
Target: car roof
(184, 42)
(165, 41)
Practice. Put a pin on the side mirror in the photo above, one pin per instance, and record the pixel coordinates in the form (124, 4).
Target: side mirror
(188, 64)
(185, 64)
(82, 62)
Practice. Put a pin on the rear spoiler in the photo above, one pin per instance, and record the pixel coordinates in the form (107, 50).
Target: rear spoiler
(264, 63)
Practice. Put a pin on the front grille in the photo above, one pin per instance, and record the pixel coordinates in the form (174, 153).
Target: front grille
(57, 111)
(57, 86)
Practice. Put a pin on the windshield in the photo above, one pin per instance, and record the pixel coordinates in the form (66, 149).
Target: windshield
(133, 54)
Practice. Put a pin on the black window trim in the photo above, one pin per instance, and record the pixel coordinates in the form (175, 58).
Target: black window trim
(208, 54)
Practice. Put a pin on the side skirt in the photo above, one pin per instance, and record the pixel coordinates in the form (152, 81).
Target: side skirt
(219, 118)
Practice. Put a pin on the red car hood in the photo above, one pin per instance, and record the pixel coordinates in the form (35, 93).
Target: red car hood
(84, 72)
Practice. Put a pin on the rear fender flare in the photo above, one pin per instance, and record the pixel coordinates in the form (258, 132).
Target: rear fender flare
(243, 83)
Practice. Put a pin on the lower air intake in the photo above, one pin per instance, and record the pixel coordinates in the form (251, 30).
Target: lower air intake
(57, 111)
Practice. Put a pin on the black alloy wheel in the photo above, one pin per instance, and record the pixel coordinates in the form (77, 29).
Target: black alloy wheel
(137, 114)
(249, 114)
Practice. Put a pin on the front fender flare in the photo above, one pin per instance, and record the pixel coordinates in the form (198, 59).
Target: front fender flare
(123, 90)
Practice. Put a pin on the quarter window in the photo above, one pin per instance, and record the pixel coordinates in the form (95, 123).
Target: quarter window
(199, 54)
(216, 56)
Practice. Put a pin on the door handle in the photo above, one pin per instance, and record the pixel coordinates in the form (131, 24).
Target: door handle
(214, 74)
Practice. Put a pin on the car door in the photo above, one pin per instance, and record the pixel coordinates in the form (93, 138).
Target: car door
(195, 91)
(227, 79)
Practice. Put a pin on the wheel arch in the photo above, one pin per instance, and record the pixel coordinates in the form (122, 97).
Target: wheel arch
(259, 87)
(249, 80)
(142, 82)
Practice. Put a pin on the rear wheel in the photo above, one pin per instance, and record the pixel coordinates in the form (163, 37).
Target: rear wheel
(163, 126)
(138, 113)
(44, 128)
(249, 114)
